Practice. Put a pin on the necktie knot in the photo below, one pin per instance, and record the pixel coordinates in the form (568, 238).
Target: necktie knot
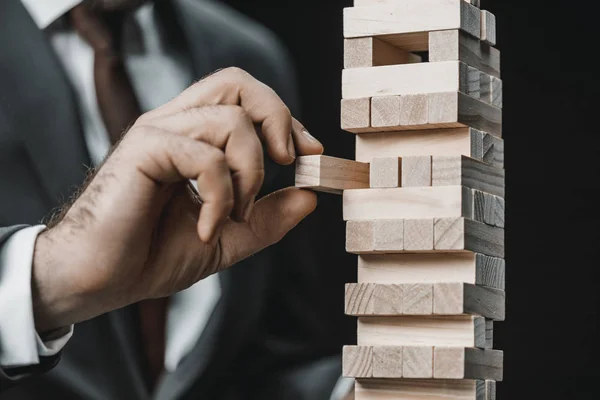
(100, 29)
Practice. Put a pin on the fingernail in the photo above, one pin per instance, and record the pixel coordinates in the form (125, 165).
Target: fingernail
(247, 210)
(309, 136)
(290, 147)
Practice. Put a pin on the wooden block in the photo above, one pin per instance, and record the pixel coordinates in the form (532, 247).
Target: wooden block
(489, 334)
(357, 361)
(356, 114)
(470, 81)
(403, 203)
(422, 389)
(359, 236)
(387, 362)
(485, 86)
(413, 110)
(455, 110)
(372, 52)
(391, 80)
(496, 92)
(454, 45)
(362, 3)
(386, 172)
(385, 111)
(409, 16)
(418, 234)
(489, 209)
(488, 27)
(483, 364)
(440, 142)
(432, 268)
(464, 234)
(417, 362)
(464, 298)
(426, 330)
(493, 150)
(416, 171)
(330, 174)
(388, 235)
(373, 299)
(449, 362)
(418, 299)
(461, 170)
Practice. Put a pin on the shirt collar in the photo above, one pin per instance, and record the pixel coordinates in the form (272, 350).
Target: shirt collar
(44, 12)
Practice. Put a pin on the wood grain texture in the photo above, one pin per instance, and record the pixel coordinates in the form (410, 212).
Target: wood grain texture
(454, 298)
(418, 299)
(416, 171)
(417, 362)
(489, 334)
(385, 111)
(413, 110)
(388, 362)
(408, 16)
(454, 45)
(464, 234)
(438, 142)
(402, 79)
(403, 203)
(418, 234)
(403, 268)
(449, 362)
(359, 236)
(377, 236)
(489, 209)
(485, 86)
(455, 109)
(425, 330)
(357, 361)
(466, 171)
(372, 52)
(356, 114)
(373, 299)
(470, 81)
(483, 364)
(488, 27)
(497, 92)
(330, 174)
(386, 172)
(493, 150)
(421, 389)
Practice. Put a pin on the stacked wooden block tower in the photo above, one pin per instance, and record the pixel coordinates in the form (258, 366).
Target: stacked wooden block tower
(424, 200)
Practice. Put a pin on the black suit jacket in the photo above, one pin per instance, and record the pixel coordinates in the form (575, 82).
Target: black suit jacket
(268, 337)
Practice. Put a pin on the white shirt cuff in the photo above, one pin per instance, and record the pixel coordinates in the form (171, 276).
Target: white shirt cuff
(342, 388)
(19, 341)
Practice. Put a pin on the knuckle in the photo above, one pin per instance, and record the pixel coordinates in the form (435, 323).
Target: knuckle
(215, 158)
(235, 73)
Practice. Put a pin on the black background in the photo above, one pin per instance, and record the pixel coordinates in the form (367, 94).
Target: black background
(551, 81)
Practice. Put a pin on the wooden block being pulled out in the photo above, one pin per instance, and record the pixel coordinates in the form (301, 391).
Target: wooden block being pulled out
(424, 389)
(437, 362)
(406, 203)
(458, 234)
(454, 45)
(409, 16)
(457, 298)
(402, 268)
(461, 170)
(424, 330)
(330, 174)
(437, 142)
(372, 52)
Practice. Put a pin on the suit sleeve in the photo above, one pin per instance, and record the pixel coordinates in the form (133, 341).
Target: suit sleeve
(22, 353)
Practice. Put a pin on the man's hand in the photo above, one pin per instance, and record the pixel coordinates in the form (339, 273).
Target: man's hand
(140, 231)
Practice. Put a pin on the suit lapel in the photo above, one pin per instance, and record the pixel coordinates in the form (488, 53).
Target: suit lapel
(39, 103)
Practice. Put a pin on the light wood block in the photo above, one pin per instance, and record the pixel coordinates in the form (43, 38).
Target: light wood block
(496, 92)
(454, 45)
(356, 114)
(488, 27)
(385, 111)
(461, 170)
(416, 171)
(330, 174)
(464, 298)
(455, 110)
(359, 237)
(404, 203)
(417, 362)
(373, 52)
(391, 80)
(426, 330)
(357, 361)
(424, 389)
(488, 209)
(388, 362)
(402, 268)
(437, 142)
(463, 234)
(378, 236)
(414, 110)
(418, 234)
(456, 298)
(386, 172)
(407, 16)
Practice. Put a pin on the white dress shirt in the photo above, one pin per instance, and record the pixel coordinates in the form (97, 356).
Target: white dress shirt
(158, 73)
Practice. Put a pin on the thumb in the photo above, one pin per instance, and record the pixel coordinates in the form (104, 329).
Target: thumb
(272, 218)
